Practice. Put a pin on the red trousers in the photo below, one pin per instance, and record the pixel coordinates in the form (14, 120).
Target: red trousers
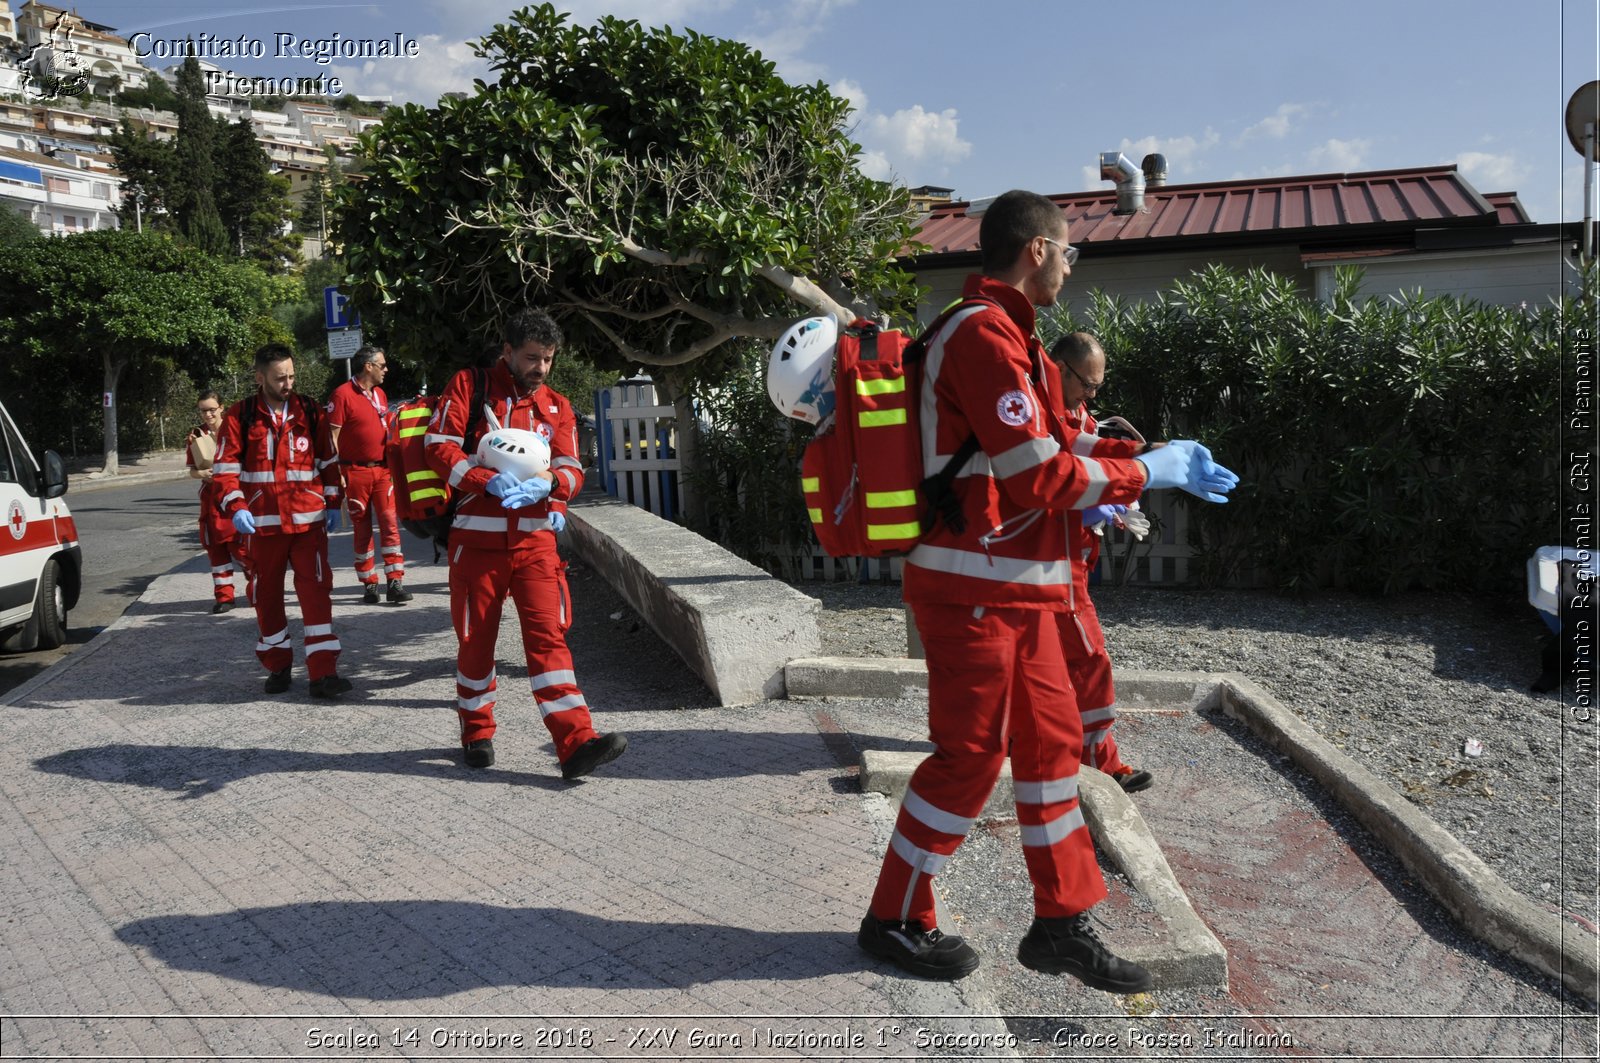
(1089, 666)
(369, 496)
(225, 555)
(534, 576)
(307, 553)
(996, 683)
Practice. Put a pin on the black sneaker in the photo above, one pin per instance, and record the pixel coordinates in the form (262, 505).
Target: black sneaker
(593, 753)
(1133, 780)
(222, 607)
(1070, 946)
(479, 754)
(330, 686)
(277, 682)
(369, 596)
(398, 592)
(925, 953)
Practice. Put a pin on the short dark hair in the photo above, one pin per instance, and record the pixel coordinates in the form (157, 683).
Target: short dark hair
(1010, 222)
(272, 352)
(208, 393)
(1075, 347)
(530, 323)
(365, 354)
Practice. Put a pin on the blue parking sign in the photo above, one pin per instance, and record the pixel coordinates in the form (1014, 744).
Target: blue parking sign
(336, 312)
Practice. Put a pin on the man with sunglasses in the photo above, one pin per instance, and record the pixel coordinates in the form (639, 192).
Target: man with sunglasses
(1082, 642)
(988, 592)
(225, 548)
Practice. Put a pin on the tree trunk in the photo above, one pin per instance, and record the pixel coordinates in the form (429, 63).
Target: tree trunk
(688, 432)
(112, 373)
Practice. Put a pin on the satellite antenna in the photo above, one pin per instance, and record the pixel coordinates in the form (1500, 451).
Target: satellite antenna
(1583, 129)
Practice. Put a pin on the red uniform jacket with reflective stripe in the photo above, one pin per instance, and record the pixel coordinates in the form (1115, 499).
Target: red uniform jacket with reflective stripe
(481, 521)
(281, 473)
(986, 374)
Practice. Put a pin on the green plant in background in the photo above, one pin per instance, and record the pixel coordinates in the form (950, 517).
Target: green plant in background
(1384, 443)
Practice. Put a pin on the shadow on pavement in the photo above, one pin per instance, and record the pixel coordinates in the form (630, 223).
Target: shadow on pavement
(404, 950)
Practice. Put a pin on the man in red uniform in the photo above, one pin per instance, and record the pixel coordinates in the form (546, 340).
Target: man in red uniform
(280, 484)
(987, 597)
(224, 546)
(1081, 364)
(358, 425)
(503, 540)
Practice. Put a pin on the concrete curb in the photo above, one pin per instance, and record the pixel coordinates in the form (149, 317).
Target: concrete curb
(733, 624)
(1461, 882)
(1455, 876)
(1193, 955)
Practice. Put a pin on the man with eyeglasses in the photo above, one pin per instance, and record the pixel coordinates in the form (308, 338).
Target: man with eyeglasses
(225, 548)
(358, 422)
(988, 593)
(1082, 642)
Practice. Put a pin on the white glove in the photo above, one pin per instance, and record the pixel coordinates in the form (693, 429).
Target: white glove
(1137, 523)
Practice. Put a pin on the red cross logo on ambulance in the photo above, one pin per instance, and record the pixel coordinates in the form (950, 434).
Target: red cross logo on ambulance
(17, 520)
(1014, 407)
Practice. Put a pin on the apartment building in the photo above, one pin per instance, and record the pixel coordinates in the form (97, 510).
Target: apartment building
(61, 193)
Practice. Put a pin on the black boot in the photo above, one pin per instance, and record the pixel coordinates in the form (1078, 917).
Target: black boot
(925, 953)
(1070, 946)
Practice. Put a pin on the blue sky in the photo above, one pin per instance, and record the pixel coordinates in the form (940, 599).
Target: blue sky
(1019, 94)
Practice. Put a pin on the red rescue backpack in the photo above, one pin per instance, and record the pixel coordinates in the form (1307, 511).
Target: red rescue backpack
(862, 473)
(422, 498)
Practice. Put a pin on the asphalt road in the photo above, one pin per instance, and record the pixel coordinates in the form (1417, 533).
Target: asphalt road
(130, 535)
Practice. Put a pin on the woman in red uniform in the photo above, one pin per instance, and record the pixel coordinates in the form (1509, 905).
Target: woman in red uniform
(224, 546)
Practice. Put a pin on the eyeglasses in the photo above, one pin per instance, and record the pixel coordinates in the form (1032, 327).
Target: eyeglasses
(1090, 388)
(1068, 252)
(207, 410)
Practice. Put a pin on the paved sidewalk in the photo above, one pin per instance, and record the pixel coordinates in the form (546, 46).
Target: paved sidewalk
(84, 473)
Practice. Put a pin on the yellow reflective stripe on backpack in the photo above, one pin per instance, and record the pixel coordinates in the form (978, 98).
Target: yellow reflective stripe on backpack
(880, 387)
(421, 474)
(413, 430)
(411, 415)
(810, 483)
(909, 530)
(420, 493)
(890, 499)
(815, 515)
(881, 418)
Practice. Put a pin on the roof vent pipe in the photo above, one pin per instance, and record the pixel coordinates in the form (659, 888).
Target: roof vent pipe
(1114, 166)
(1155, 170)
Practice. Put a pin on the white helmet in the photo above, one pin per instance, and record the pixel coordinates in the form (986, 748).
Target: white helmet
(800, 371)
(522, 453)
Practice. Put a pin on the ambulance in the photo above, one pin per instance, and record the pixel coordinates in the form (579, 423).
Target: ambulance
(41, 565)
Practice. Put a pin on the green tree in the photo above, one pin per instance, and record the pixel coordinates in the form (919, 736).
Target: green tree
(195, 176)
(15, 228)
(148, 169)
(129, 304)
(661, 193)
(252, 201)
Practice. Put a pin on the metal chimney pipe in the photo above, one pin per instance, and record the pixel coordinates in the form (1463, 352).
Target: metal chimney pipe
(1154, 166)
(1114, 166)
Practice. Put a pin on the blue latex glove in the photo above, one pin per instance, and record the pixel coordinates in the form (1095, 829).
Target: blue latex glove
(330, 520)
(244, 521)
(502, 483)
(1186, 464)
(558, 522)
(1101, 514)
(526, 493)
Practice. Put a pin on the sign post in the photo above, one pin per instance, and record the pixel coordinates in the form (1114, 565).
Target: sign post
(343, 326)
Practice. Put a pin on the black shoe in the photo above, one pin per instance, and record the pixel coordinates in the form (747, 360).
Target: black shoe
(593, 753)
(925, 953)
(370, 595)
(222, 607)
(397, 592)
(1070, 946)
(1133, 780)
(479, 754)
(277, 682)
(330, 686)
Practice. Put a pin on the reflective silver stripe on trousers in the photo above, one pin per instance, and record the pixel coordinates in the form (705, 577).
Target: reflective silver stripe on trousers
(1095, 737)
(313, 630)
(571, 701)
(991, 567)
(1097, 716)
(933, 816)
(550, 679)
(1048, 792)
(922, 863)
(1048, 834)
(322, 647)
(273, 642)
(474, 704)
(476, 684)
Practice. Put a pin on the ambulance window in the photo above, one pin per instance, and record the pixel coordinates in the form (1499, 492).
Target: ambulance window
(8, 448)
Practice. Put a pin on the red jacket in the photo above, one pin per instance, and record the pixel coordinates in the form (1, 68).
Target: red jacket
(1085, 545)
(481, 521)
(986, 374)
(286, 474)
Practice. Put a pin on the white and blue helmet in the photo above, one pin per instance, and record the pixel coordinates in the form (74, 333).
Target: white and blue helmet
(800, 370)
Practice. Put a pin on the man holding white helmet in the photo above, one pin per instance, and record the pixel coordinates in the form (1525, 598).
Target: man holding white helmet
(513, 483)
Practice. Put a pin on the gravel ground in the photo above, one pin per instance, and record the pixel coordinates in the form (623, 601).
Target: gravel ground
(1401, 684)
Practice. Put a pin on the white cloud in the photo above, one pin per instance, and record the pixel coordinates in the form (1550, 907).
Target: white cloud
(1492, 173)
(912, 143)
(1339, 155)
(441, 66)
(1275, 125)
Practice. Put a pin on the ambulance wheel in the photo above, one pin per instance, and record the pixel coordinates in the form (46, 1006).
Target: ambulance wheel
(51, 608)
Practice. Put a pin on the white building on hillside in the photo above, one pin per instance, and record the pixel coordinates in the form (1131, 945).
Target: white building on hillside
(69, 192)
(109, 59)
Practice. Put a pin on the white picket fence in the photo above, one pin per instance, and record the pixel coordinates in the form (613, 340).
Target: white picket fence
(636, 446)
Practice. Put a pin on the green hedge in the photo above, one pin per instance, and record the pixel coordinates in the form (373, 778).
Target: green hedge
(1385, 443)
